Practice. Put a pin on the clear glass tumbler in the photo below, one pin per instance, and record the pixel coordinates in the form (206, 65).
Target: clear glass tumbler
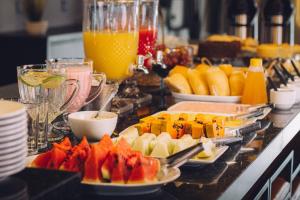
(47, 88)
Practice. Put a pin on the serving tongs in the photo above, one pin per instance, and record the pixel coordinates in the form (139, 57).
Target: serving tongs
(181, 157)
(178, 159)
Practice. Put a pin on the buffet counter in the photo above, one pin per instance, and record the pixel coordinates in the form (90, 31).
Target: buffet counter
(244, 171)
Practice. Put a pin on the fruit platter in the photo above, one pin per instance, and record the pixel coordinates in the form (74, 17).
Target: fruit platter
(109, 167)
(163, 146)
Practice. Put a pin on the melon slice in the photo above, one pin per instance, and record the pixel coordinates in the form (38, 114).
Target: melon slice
(142, 143)
(91, 166)
(57, 158)
(75, 161)
(65, 145)
(119, 171)
(115, 159)
(144, 171)
(105, 142)
(41, 161)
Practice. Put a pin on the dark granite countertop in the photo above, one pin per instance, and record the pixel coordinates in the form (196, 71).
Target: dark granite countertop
(231, 176)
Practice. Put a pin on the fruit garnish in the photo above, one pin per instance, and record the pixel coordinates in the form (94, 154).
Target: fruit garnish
(53, 82)
(34, 78)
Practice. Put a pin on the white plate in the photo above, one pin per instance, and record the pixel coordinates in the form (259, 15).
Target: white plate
(10, 109)
(203, 161)
(112, 189)
(15, 130)
(12, 169)
(12, 155)
(207, 98)
(13, 143)
(12, 126)
(13, 149)
(14, 161)
(16, 136)
(13, 120)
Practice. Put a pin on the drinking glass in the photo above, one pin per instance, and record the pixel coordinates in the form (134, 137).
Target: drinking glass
(110, 36)
(39, 84)
(81, 70)
(37, 126)
(148, 27)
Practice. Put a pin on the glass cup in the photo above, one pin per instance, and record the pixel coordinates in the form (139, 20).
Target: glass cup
(37, 126)
(81, 70)
(148, 26)
(46, 87)
(110, 36)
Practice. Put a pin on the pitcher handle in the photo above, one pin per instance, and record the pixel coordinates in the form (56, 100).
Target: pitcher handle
(99, 89)
(69, 101)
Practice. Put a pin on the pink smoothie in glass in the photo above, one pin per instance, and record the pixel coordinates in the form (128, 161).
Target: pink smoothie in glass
(84, 75)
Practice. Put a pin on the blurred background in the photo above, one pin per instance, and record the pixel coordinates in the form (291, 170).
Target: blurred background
(60, 20)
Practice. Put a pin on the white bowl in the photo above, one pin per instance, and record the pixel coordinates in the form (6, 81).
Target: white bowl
(83, 124)
(283, 98)
(294, 86)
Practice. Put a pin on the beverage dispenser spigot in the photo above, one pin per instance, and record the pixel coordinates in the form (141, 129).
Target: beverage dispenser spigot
(159, 67)
(140, 66)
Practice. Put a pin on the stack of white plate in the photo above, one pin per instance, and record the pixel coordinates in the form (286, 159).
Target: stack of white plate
(13, 138)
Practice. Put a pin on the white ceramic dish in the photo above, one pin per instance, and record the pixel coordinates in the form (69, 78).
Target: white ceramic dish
(10, 109)
(83, 124)
(13, 155)
(12, 169)
(14, 161)
(294, 86)
(12, 127)
(283, 98)
(211, 107)
(209, 160)
(206, 98)
(13, 137)
(111, 189)
(13, 143)
(13, 120)
(10, 133)
(13, 149)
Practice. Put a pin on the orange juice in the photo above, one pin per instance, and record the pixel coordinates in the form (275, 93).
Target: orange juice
(255, 91)
(112, 53)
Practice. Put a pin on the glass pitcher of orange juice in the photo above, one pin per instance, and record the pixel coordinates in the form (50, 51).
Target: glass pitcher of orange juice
(110, 36)
(255, 90)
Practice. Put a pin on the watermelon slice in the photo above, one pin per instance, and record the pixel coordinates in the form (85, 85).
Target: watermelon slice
(119, 171)
(91, 166)
(75, 160)
(144, 171)
(41, 161)
(65, 145)
(96, 158)
(57, 158)
(115, 161)
(105, 142)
